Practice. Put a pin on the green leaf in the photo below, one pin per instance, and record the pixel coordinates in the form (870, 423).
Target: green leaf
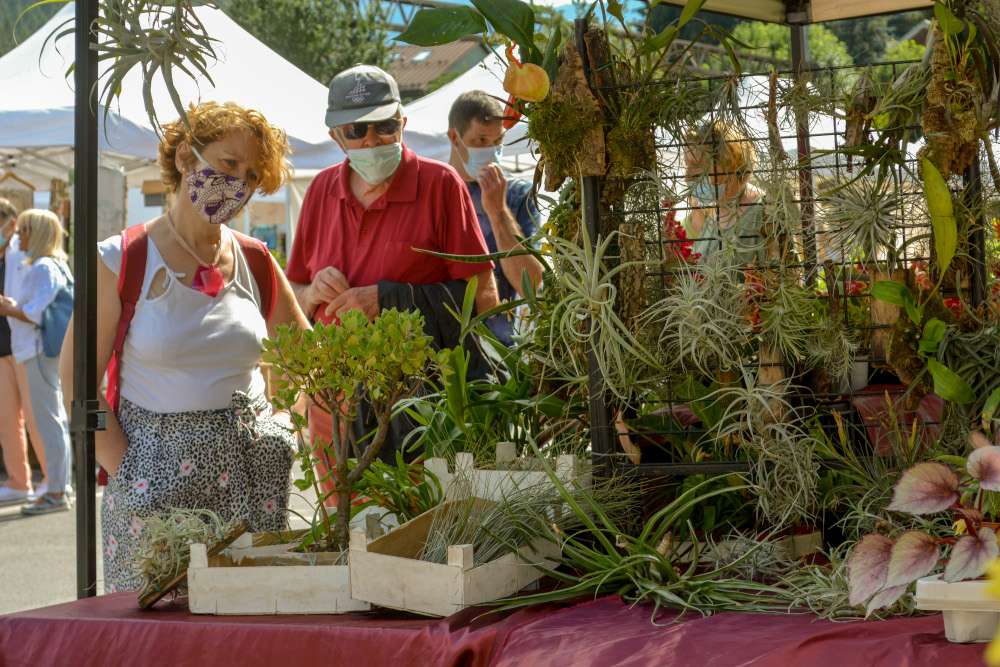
(934, 331)
(516, 20)
(913, 311)
(892, 292)
(990, 408)
(939, 205)
(950, 24)
(948, 385)
(550, 62)
(430, 27)
(615, 9)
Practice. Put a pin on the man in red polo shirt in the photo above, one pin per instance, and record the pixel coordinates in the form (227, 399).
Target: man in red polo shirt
(362, 220)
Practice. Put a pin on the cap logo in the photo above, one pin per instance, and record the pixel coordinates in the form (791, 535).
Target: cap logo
(359, 93)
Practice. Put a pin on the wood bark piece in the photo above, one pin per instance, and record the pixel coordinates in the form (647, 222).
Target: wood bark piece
(573, 109)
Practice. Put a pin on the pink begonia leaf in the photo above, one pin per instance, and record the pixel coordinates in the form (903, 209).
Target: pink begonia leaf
(924, 489)
(868, 567)
(913, 555)
(979, 439)
(971, 555)
(886, 598)
(984, 464)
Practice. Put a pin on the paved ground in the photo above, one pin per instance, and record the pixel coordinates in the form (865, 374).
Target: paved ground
(38, 557)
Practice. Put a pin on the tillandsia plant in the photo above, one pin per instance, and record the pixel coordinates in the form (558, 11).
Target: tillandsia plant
(882, 568)
(163, 37)
(339, 367)
(861, 219)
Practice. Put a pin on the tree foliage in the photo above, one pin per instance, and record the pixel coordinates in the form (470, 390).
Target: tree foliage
(30, 22)
(321, 38)
(774, 40)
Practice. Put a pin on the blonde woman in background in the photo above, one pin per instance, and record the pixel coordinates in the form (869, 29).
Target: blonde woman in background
(15, 405)
(41, 237)
(725, 208)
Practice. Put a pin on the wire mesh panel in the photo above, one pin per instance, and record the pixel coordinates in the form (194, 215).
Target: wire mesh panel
(748, 228)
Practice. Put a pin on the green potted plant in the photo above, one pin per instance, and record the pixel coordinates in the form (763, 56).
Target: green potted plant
(337, 367)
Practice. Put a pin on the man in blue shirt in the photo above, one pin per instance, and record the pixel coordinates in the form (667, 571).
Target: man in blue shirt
(506, 210)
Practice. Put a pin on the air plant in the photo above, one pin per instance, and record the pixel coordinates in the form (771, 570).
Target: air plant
(780, 446)
(824, 589)
(517, 519)
(860, 216)
(882, 568)
(703, 318)
(789, 319)
(164, 544)
(163, 37)
(586, 315)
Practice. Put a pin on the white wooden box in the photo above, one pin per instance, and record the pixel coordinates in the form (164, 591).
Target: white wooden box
(259, 575)
(467, 480)
(387, 572)
(970, 613)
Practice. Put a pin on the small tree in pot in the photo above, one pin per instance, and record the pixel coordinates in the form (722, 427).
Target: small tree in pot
(338, 367)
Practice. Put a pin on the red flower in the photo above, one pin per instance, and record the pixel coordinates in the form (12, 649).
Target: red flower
(856, 287)
(955, 305)
(675, 236)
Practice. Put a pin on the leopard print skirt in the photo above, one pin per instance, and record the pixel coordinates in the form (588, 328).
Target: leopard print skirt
(235, 462)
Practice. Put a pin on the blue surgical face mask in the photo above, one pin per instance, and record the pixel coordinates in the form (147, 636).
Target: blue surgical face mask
(480, 157)
(378, 164)
(705, 191)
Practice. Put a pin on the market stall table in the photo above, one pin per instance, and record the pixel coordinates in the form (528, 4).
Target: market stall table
(111, 630)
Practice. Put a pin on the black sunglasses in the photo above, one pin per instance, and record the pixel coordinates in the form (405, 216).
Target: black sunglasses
(383, 127)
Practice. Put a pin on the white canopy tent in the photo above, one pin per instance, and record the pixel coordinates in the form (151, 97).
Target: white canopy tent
(36, 111)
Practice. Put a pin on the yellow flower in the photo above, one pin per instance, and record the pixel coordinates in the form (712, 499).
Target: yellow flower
(959, 527)
(992, 654)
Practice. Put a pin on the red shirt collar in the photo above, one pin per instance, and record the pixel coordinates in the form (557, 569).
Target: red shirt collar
(404, 182)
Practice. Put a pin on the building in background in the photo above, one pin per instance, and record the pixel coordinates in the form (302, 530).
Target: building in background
(422, 69)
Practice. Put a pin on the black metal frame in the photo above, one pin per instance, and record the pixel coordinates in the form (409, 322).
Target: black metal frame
(86, 416)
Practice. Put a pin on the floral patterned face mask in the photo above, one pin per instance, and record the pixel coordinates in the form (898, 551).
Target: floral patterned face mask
(217, 196)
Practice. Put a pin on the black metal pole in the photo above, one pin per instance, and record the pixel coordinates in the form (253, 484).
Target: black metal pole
(85, 407)
(601, 442)
(977, 237)
(800, 61)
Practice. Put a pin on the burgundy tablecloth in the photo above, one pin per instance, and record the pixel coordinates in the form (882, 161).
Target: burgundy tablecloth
(110, 630)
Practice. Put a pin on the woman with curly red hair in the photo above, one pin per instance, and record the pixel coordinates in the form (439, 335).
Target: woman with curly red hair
(192, 427)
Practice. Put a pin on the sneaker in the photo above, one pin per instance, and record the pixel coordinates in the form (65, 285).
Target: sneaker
(9, 496)
(45, 505)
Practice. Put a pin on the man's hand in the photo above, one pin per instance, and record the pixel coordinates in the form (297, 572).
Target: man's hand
(364, 299)
(327, 285)
(494, 187)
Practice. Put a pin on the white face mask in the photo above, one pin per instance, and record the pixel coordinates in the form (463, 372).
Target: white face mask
(375, 165)
(480, 157)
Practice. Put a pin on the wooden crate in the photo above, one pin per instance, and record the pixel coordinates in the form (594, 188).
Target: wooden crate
(494, 484)
(260, 574)
(386, 571)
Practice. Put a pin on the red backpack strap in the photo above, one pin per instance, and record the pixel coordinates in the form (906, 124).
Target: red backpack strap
(262, 268)
(131, 275)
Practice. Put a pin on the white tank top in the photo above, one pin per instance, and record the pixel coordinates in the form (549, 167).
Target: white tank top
(186, 351)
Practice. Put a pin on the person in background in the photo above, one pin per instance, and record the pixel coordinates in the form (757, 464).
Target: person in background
(364, 220)
(15, 403)
(725, 208)
(504, 207)
(193, 428)
(41, 237)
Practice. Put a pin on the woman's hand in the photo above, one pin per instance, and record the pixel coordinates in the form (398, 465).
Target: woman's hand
(7, 306)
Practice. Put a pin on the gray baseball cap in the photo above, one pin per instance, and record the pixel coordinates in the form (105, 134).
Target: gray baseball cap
(363, 93)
